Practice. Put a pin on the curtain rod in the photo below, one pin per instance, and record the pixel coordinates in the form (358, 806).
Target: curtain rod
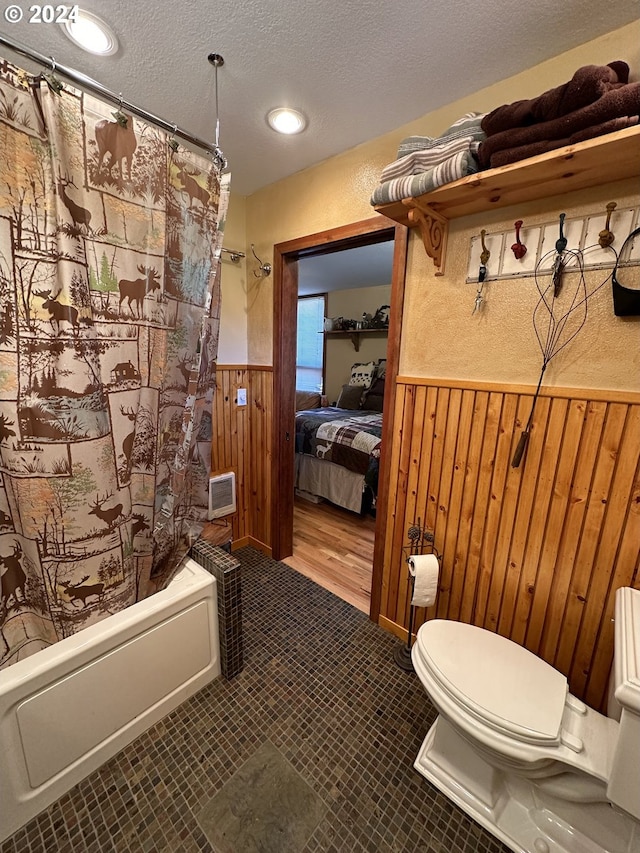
(98, 89)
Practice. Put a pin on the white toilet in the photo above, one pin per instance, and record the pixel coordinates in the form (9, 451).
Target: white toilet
(512, 747)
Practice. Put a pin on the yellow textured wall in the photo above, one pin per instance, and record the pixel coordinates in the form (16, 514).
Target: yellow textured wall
(232, 344)
(499, 345)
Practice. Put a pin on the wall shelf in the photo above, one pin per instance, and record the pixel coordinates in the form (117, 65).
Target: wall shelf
(355, 334)
(608, 158)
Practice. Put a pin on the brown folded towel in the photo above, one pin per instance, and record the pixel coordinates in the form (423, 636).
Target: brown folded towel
(587, 85)
(624, 101)
(513, 155)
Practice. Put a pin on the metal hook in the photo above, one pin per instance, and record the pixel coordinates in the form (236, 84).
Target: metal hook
(486, 254)
(265, 269)
(118, 115)
(51, 80)
(518, 248)
(172, 142)
(606, 237)
(561, 242)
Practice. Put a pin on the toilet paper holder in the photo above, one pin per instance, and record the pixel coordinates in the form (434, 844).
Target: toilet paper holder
(421, 541)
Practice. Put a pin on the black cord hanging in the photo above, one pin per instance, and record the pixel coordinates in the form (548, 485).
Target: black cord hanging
(563, 323)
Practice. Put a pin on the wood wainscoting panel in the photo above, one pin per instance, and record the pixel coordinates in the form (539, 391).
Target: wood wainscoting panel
(260, 450)
(537, 552)
(242, 443)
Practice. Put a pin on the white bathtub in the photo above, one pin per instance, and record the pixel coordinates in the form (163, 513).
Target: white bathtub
(69, 708)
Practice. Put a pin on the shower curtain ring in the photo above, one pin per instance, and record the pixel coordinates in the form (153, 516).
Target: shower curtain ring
(50, 78)
(118, 115)
(172, 142)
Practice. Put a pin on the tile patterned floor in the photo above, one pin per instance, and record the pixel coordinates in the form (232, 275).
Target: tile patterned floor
(320, 684)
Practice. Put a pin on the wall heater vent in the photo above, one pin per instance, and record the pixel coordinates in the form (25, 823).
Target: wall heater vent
(222, 495)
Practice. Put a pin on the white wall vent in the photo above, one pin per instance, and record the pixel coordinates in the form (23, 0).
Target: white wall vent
(222, 495)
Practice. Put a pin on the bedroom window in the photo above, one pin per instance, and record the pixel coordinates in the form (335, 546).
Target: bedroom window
(310, 349)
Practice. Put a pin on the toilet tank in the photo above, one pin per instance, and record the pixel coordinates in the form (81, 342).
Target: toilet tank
(624, 780)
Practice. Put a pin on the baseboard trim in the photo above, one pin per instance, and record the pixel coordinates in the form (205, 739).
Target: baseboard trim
(254, 543)
(260, 546)
(393, 628)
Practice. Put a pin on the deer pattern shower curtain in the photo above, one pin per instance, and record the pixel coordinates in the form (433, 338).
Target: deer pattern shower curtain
(110, 238)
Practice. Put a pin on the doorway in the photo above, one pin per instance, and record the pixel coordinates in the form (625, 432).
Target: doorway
(285, 269)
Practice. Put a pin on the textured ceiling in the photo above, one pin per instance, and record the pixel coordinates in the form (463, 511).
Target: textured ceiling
(357, 68)
(365, 266)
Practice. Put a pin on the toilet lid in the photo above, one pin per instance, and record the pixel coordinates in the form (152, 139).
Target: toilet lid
(499, 682)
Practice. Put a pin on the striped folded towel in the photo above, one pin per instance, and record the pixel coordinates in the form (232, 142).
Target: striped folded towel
(455, 167)
(424, 159)
(468, 125)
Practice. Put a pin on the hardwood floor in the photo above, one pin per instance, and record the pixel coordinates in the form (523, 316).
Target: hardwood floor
(334, 548)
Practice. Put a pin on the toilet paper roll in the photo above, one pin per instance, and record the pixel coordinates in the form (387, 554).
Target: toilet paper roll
(425, 569)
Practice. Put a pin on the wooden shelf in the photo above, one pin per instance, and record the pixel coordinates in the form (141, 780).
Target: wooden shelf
(354, 334)
(613, 157)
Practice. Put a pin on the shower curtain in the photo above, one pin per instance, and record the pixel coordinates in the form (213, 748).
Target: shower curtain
(110, 238)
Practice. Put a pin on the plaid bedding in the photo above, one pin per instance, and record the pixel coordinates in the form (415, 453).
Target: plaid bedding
(343, 436)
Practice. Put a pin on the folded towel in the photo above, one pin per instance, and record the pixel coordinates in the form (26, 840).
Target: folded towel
(513, 155)
(422, 161)
(469, 124)
(616, 103)
(587, 85)
(461, 164)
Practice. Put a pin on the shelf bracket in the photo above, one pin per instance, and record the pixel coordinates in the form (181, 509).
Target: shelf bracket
(355, 340)
(434, 230)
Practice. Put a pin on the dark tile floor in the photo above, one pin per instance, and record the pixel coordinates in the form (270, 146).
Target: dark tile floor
(320, 685)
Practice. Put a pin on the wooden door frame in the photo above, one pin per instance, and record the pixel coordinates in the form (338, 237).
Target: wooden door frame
(285, 294)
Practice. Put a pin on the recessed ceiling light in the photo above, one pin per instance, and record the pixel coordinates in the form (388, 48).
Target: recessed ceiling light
(287, 121)
(91, 33)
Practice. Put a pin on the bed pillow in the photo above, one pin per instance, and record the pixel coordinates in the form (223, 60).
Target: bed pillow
(373, 398)
(381, 368)
(307, 400)
(362, 373)
(350, 397)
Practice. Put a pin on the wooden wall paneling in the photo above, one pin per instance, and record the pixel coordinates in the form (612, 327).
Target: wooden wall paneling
(505, 488)
(603, 575)
(392, 524)
(483, 494)
(505, 583)
(415, 464)
(583, 572)
(242, 457)
(566, 438)
(260, 456)
(450, 542)
(468, 510)
(397, 593)
(426, 453)
(627, 573)
(437, 417)
(523, 521)
(535, 552)
(442, 498)
(255, 439)
(565, 606)
(229, 425)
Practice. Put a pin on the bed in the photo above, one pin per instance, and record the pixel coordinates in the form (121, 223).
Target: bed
(338, 447)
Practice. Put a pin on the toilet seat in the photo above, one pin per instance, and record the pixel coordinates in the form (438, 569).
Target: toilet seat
(499, 683)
